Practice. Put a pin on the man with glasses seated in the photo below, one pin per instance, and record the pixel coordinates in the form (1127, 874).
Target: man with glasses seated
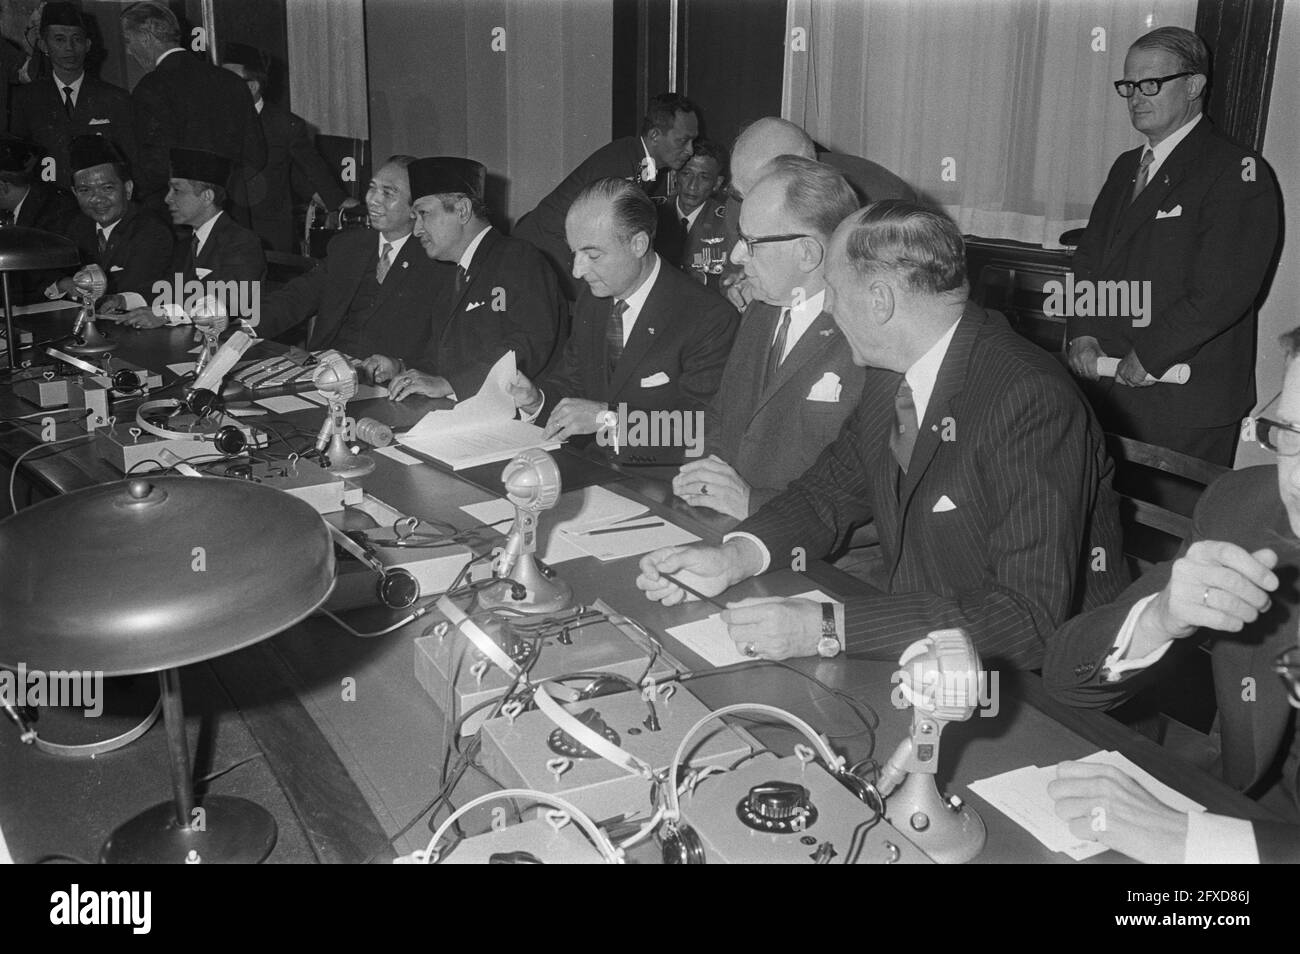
(1237, 585)
(1189, 222)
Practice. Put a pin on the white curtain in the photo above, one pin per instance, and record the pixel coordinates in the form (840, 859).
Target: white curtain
(1000, 111)
(327, 65)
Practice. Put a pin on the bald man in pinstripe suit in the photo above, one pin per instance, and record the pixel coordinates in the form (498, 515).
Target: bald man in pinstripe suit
(978, 458)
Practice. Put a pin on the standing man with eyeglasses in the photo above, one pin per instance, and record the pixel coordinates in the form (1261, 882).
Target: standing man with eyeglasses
(1234, 584)
(1194, 216)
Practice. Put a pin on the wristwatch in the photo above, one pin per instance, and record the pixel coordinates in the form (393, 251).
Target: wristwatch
(828, 646)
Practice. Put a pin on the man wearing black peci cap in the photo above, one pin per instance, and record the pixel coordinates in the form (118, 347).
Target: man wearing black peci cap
(69, 101)
(132, 245)
(505, 296)
(24, 199)
(219, 249)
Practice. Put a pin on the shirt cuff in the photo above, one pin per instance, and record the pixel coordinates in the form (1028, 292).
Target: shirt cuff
(1219, 840)
(132, 300)
(529, 418)
(174, 313)
(762, 547)
(52, 292)
(1115, 665)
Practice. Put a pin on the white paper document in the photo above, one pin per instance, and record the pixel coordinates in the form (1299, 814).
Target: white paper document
(578, 510)
(286, 404)
(392, 453)
(480, 429)
(181, 369)
(708, 637)
(1022, 796)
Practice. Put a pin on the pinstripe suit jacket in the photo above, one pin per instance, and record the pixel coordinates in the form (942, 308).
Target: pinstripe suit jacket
(994, 527)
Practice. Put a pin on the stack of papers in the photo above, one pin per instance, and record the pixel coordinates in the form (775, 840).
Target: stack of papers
(565, 530)
(708, 637)
(479, 430)
(1022, 796)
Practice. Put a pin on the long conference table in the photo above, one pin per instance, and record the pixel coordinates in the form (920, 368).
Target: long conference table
(335, 736)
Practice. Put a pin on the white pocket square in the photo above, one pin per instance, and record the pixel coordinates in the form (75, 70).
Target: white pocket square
(655, 380)
(1171, 214)
(115, 268)
(827, 389)
(98, 122)
(202, 272)
(943, 505)
(474, 304)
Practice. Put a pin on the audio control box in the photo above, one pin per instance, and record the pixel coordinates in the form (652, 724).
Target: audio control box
(456, 674)
(530, 842)
(523, 752)
(134, 451)
(780, 811)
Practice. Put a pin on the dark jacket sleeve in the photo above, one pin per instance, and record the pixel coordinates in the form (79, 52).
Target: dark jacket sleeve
(289, 306)
(149, 260)
(310, 173)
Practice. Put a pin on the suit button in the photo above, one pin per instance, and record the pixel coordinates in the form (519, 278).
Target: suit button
(1083, 670)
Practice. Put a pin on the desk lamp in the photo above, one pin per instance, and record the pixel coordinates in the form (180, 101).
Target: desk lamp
(532, 482)
(940, 677)
(148, 575)
(336, 378)
(21, 250)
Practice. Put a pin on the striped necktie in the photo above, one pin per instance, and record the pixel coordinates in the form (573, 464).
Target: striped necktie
(385, 263)
(776, 353)
(902, 439)
(1144, 166)
(68, 105)
(614, 333)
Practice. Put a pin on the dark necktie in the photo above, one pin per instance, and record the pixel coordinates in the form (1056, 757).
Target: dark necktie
(1144, 166)
(686, 225)
(776, 353)
(67, 100)
(462, 280)
(614, 333)
(194, 251)
(101, 241)
(903, 437)
(385, 263)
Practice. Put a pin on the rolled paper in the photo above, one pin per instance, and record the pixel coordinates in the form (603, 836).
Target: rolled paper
(1177, 374)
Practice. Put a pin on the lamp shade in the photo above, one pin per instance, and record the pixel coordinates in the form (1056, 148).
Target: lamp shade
(153, 573)
(23, 248)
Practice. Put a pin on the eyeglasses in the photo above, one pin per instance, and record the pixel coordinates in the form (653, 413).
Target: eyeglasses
(751, 243)
(1276, 436)
(1287, 665)
(1149, 87)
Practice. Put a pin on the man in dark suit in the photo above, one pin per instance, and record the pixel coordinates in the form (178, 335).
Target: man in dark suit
(26, 200)
(762, 141)
(692, 230)
(131, 244)
(645, 337)
(363, 307)
(667, 132)
(221, 255)
(502, 297)
(292, 162)
(1187, 225)
(69, 102)
(790, 381)
(1235, 585)
(185, 101)
(979, 460)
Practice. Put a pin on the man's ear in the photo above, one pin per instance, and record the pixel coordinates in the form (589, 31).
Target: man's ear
(880, 299)
(811, 254)
(1196, 86)
(464, 208)
(128, 187)
(639, 244)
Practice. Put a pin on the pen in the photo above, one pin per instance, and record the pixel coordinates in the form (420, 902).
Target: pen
(635, 526)
(695, 593)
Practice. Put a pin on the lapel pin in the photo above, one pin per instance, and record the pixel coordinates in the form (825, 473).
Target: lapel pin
(650, 331)
(827, 332)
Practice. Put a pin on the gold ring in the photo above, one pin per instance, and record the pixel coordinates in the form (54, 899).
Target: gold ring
(749, 650)
(704, 489)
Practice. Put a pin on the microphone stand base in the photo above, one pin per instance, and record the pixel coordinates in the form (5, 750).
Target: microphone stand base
(224, 830)
(950, 835)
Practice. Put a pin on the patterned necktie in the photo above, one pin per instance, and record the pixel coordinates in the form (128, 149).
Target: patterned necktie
(1144, 166)
(903, 437)
(776, 353)
(385, 262)
(194, 251)
(67, 101)
(101, 241)
(462, 280)
(614, 333)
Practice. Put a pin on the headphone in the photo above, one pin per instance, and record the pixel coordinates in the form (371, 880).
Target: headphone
(682, 845)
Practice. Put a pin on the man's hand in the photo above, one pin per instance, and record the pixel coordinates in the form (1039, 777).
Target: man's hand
(381, 369)
(575, 416)
(411, 382)
(774, 628)
(349, 203)
(736, 288)
(525, 394)
(66, 286)
(1103, 804)
(708, 570)
(1217, 585)
(713, 483)
(1084, 352)
(142, 318)
(1131, 373)
(111, 304)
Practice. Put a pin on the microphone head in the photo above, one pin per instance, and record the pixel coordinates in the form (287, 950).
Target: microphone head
(209, 315)
(90, 282)
(335, 375)
(941, 676)
(532, 480)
